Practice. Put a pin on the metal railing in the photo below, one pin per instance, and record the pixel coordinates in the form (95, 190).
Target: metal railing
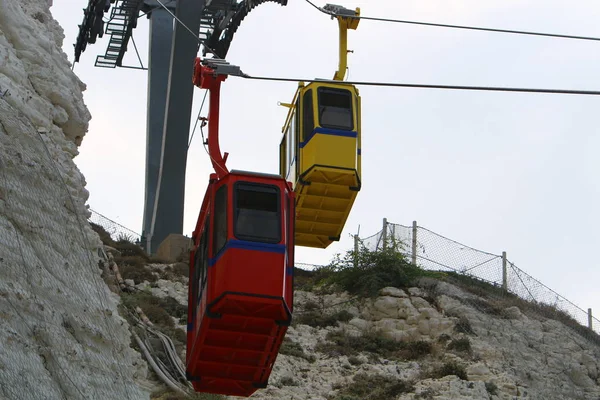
(432, 251)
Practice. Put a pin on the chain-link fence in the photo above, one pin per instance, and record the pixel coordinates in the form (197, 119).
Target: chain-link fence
(114, 229)
(435, 252)
(432, 251)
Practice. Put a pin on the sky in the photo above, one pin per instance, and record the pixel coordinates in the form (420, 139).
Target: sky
(512, 172)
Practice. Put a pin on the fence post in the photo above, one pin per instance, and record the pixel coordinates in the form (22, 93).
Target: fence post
(504, 272)
(414, 243)
(590, 318)
(355, 251)
(384, 234)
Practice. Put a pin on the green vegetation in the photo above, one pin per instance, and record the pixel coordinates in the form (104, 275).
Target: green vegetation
(159, 311)
(366, 272)
(497, 300)
(134, 268)
(132, 259)
(460, 345)
(176, 272)
(168, 394)
(287, 381)
(463, 326)
(353, 360)
(341, 343)
(373, 387)
(291, 348)
(450, 368)
(491, 388)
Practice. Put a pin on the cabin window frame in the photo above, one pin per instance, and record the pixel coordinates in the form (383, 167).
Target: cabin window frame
(250, 237)
(320, 110)
(201, 261)
(308, 115)
(292, 150)
(220, 212)
(283, 169)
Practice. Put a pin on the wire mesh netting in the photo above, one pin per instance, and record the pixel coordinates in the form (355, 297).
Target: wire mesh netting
(435, 252)
(114, 229)
(61, 336)
(432, 251)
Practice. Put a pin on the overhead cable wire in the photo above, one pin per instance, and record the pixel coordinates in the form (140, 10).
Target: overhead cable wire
(474, 28)
(197, 119)
(426, 86)
(398, 84)
(137, 52)
(202, 42)
(152, 9)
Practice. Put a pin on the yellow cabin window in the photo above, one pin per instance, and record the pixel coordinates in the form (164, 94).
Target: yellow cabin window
(307, 111)
(335, 109)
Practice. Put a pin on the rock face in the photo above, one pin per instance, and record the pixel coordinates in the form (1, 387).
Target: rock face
(60, 333)
(453, 345)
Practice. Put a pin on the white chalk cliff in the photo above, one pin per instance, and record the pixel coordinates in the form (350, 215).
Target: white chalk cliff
(61, 336)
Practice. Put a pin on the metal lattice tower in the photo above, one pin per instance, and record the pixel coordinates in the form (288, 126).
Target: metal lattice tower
(172, 51)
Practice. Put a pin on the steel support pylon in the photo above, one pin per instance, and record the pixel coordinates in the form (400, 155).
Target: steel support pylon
(159, 52)
(163, 215)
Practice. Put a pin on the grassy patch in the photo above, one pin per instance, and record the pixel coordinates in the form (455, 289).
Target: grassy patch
(181, 269)
(414, 350)
(497, 300)
(132, 269)
(159, 310)
(177, 272)
(287, 381)
(291, 348)
(474, 285)
(450, 368)
(366, 272)
(104, 235)
(353, 360)
(303, 279)
(168, 394)
(340, 343)
(491, 388)
(486, 306)
(461, 345)
(444, 338)
(464, 326)
(129, 249)
(373, 387)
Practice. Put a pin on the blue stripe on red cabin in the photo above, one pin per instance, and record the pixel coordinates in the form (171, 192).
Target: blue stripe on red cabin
(248, 245)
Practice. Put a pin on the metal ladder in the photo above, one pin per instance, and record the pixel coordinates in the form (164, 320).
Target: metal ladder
(123, 19)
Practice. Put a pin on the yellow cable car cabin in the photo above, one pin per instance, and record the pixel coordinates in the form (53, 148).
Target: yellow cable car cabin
(320, 155)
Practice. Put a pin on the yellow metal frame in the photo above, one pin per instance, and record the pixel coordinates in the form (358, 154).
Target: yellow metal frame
(326, 168)
(344, 24)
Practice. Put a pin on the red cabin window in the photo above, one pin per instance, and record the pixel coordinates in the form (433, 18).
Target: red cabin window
(220, 222)
(257, 215)
(201, 263)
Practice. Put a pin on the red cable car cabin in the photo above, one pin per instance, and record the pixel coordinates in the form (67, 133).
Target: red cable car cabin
(241, 277)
